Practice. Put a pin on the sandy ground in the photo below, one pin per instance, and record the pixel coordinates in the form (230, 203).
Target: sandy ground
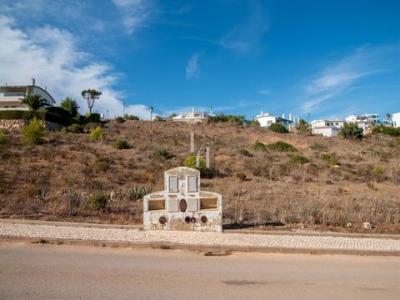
(30, 271)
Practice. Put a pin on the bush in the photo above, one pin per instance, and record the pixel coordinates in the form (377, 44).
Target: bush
(3, 138)
(258, 146)
(121, 144)
(98, 201)
(378, 173)
(70, 105)
(34, 132)
(245, 152)
(138, 192)
(298, 159)
(318, 147)
(163, 153)
(351, 131)
(386, 130)
(119, 120)
(281, 147)
(190, 162)
(92, 118)
(131, 117)
(233, 119)
(241, 176)
(96, 134)
(75, 128)
(303, 127)
(278, 128)
(330, 159)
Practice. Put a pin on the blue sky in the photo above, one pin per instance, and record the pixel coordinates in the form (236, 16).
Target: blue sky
(323, 58)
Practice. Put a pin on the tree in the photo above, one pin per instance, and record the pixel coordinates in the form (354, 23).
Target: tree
(303, 127)
(90, 95)
(71, 105)
(34, 102)
(351, 131)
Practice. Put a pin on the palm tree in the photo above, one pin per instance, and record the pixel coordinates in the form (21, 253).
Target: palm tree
(90, 96)
(34, 102)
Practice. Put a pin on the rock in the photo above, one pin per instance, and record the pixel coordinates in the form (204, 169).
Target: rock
(349, 225)
(367, 225)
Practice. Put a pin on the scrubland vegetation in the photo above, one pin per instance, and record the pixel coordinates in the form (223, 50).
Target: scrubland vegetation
(100, 174)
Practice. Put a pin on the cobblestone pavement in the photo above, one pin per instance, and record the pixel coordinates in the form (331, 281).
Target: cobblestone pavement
(199, 238)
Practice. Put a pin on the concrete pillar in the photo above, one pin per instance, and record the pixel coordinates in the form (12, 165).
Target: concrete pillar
(207, 157)
(192, 142)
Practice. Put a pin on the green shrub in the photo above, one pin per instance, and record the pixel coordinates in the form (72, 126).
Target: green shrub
(241, 176)
(254, 123)
(351, 131)
(92, 118)
(378, 173)
(3, 138)
(190, 162)
(163, 153)
(386, 130)
(13, 115)
(245, 152)
(102, 165)
(98, 201)
(298, 159)
(258, 146)
(232, 119)
(278, 128)
(75, 128)
(96, 134)
(119, 120)
(303, 127)
(34, 132)
(121, 144)
(281, 147)
(330, 159)
(131, 117)
(138, 192)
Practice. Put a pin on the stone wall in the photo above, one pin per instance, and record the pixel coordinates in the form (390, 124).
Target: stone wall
(12, 125)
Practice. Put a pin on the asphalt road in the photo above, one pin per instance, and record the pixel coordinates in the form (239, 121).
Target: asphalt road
(71, 272)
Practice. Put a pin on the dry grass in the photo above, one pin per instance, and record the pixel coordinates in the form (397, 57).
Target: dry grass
(55, 180)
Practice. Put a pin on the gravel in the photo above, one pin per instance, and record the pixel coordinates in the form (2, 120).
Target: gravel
(198, 238)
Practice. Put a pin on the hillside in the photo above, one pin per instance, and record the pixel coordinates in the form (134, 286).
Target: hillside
(326, 184)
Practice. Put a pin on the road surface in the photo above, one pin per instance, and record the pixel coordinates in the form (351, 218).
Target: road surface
(29, 271)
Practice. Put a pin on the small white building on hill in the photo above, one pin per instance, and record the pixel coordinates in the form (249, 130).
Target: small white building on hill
(11, 96)
(191, 117)
(326, 127)
(366, 121)
(396, 120)
(267, 119)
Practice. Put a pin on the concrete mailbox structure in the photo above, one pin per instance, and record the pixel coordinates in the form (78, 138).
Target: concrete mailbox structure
(182, 206)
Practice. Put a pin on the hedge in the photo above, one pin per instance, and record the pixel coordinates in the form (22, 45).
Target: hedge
(43, 115)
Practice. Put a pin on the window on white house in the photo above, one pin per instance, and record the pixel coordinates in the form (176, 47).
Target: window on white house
(173, 184)
(192, 184)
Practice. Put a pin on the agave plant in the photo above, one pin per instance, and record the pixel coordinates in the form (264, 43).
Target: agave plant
(138, 192)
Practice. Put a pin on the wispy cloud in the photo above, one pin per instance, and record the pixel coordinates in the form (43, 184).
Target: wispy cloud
(192, 67)
(248, 34)
(264, 92)
(52, 57)
(341, 76)
(134, 13)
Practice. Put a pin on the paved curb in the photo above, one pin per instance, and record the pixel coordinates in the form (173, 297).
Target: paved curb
(199, 248)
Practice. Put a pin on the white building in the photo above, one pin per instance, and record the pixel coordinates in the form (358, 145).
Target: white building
(366, 121)
(182, 205)
(326, 127)
(11, 96)
(191, 117)
(267, 119)
(396, 120)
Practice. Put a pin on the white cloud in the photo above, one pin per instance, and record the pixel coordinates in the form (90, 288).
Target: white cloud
(134, 13)
(192, 66)
(51, 56)
(340, 76)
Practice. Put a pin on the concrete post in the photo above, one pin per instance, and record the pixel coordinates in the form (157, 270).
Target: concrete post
(207, 157)
(192, 142)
